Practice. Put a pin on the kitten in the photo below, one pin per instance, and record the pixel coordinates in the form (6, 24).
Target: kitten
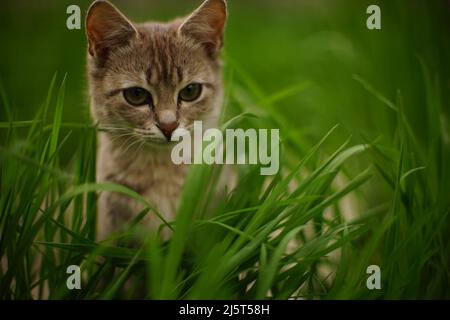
(146, 81)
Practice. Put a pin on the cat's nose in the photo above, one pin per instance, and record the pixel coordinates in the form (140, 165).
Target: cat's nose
(168, 128)
(167, 122)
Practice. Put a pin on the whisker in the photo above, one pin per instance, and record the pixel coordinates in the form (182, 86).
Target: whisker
(130, 147)
(120, 136)
(126, 141)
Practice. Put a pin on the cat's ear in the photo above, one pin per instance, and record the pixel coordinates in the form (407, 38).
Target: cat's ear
(206, 25)
(107, 28)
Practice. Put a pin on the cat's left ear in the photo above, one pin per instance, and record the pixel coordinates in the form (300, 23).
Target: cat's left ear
(206, 25)
(107, 28)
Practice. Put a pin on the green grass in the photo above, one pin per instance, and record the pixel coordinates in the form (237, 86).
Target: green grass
(364, 129)
(215, 252)
(236, 248)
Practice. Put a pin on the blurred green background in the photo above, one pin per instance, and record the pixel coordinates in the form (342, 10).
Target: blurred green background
(278, 43)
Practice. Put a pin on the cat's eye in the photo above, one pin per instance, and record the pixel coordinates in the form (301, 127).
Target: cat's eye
(191, 92)
(137, 96)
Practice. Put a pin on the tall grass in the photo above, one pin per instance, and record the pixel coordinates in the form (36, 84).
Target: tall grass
(223, 246)
(278, 238)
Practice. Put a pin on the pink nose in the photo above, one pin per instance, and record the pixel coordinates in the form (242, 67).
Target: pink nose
(168, 128)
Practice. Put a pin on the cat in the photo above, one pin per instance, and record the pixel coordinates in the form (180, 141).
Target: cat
(146, 81)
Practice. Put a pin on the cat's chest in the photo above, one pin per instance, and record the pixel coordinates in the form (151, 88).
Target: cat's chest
(154, 176)
(150, 179)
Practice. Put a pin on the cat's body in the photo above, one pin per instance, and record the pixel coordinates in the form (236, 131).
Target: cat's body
(150, 173)
(146, 81)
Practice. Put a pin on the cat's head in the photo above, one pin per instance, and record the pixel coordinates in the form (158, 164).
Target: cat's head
(147, 80)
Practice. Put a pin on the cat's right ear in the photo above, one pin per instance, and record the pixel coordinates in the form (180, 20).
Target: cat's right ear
(107, 28)
(206, 25)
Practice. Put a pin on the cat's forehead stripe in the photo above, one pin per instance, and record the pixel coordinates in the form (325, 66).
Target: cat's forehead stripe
(162, 66)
